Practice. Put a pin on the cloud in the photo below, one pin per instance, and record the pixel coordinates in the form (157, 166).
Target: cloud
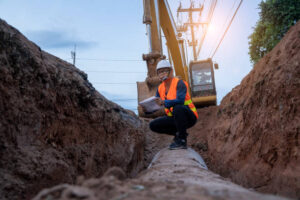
(57, 39)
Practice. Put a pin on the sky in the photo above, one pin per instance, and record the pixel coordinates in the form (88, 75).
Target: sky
(110, 39)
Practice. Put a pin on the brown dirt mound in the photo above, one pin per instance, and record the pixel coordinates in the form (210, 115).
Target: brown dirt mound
(54, 126)
(253, 136)
(178, 175)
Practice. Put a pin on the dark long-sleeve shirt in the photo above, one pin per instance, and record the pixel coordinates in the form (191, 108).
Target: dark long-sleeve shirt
(180, 95)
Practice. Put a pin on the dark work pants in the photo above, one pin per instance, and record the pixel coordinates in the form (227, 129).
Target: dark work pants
(182, 119)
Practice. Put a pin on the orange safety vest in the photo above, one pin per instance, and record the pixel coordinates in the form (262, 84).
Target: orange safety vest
(172, 93)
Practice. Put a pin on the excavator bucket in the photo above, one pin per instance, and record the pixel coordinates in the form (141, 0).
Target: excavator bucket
(144, 91)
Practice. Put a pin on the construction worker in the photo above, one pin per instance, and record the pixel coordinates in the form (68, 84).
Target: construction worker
(181, 112)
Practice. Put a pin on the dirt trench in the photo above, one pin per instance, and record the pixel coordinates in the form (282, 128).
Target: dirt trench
(54, 125)
(173, 174)
(56, 128)
(252, 139)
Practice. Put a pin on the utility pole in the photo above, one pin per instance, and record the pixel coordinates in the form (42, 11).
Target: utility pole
(191, 23)
(73, 54)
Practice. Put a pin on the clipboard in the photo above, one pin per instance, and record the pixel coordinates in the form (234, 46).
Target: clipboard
(150, 105)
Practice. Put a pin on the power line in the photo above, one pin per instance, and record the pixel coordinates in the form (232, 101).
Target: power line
(106, 60)
(105, 66)
(116, 72)
(224, 25)
(123, 99)
(211, 12)
(227, 28)
(113, 83)
(117, 60)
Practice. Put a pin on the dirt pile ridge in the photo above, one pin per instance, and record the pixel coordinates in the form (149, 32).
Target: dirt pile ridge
(54, 126)
(173, 174)
(253, 136)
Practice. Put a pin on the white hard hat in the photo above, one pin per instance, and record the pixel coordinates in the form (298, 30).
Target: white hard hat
(163, 64)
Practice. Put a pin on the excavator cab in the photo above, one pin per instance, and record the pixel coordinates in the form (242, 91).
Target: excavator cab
(202, 82)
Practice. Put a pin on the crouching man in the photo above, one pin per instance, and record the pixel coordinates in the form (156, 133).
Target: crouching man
(181, 112)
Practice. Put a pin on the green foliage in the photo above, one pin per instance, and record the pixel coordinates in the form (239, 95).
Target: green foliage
(276, 17)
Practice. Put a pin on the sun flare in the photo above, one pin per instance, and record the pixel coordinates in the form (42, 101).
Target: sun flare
(211, 28)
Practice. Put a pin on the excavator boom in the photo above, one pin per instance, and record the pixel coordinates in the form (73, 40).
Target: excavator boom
(157, 17)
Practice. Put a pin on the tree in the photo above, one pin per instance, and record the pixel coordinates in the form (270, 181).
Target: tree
(276, 17)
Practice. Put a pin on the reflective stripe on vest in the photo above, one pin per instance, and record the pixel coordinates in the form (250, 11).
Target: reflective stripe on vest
(171, 95)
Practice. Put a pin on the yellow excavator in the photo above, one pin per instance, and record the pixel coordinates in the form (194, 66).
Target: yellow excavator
(199, 74)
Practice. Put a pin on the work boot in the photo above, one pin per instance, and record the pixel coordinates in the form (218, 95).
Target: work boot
(178, 143)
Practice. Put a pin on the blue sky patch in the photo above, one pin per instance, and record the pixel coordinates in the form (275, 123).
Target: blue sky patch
(58, 39)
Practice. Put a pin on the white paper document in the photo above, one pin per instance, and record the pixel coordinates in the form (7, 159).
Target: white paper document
(150, 104)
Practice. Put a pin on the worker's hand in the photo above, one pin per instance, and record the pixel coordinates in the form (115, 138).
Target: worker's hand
(160, 102)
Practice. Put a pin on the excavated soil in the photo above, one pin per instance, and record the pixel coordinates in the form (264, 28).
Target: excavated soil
(253, 136)
(54, 126)
(177, 175)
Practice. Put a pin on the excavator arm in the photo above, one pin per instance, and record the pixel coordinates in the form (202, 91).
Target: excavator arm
(176, 50)
(157, 17)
